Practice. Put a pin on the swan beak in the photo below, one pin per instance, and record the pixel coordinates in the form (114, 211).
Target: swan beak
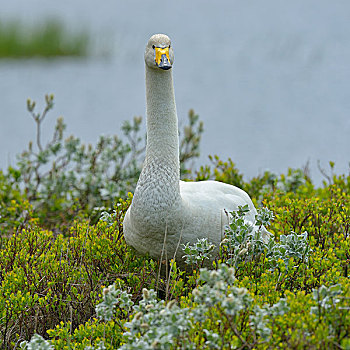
(162, 58)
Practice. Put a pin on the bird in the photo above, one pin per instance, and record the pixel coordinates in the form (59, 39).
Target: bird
(166, 212)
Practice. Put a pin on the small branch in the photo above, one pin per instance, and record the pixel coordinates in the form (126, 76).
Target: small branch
(323, 172)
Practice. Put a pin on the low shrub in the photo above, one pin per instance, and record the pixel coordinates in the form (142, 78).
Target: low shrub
(47, 279)
(65, 179)
(291, 292)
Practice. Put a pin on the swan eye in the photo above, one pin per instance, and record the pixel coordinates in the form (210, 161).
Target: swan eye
(169, 46)
(153, 47)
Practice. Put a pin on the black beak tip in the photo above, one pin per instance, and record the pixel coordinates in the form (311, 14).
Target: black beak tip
(164, 63)
(165, 67)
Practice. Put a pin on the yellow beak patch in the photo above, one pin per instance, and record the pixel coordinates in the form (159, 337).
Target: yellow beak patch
(160, 52)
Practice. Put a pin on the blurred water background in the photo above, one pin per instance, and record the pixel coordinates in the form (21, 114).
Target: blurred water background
(270, 80)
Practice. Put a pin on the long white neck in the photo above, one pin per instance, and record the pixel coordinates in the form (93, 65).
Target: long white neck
(158, 186)
(162, 125)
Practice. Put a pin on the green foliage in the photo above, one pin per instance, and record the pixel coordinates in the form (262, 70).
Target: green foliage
(226, 171)
(243, 240)
(223, 171)
(294, 294)
(326, 298)
(290, 292)
(66, 176)
(190, 142)
(112, 297)
(196, 254)
(293, 246)
(15, 209)
(65, 179)
(48, 39)
(156, 324)
(47, 278)
(37, 343)
(87, 335)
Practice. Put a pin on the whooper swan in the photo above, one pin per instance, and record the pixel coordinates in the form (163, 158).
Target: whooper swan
(165, 210)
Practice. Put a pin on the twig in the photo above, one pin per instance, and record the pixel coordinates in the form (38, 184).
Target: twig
(323, 172)
(171, 265)
(161, 255)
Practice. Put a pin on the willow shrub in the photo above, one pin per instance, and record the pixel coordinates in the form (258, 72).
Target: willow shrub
(313, 294)
(62, 178)
(52, 285)
(55, 285)
(47, 279)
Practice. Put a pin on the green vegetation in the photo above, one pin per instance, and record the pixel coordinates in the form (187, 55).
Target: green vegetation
(68, 280)
(48, 39)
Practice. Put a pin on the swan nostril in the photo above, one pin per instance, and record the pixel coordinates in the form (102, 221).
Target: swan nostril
(164, 62)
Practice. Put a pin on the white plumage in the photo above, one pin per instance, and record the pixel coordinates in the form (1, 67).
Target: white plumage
(165, 210)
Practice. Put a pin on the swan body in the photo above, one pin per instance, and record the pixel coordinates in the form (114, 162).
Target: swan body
(165, 211)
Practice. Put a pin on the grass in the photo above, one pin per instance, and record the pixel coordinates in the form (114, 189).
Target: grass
(48, 39)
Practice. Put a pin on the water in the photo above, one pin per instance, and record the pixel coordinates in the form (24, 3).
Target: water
(270, 81)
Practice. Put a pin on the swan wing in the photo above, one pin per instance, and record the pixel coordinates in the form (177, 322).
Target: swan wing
(215, 195)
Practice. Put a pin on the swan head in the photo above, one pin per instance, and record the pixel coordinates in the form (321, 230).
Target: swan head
(159, 53)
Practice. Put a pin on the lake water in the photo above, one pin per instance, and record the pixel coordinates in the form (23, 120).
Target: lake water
(270, 80)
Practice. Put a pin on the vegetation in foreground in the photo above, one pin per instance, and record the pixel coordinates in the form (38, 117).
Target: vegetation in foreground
(68, 280)
(48, 39)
